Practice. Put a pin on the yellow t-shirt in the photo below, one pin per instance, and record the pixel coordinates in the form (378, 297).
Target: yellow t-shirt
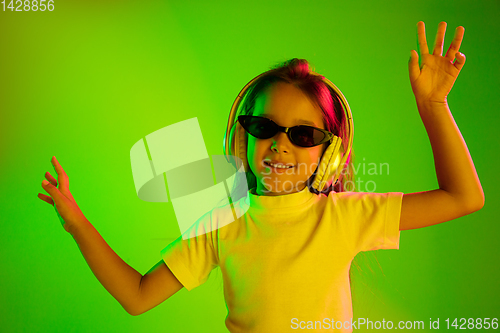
(286, 260)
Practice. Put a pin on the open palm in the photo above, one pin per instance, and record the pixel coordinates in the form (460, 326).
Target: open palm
(432, 80)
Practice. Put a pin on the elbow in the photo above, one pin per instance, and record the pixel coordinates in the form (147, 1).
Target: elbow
(479, 203)
(473, 203)
(479, 200)
(134, 309)
(130, 311)
(137, 309)
(133, 312)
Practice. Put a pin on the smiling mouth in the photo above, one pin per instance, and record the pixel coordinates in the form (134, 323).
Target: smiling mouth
(278, 166)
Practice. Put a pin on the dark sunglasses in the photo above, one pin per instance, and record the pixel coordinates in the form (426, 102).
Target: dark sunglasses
(301, 135)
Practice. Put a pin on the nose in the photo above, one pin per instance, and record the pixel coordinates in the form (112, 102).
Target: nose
(281, 143)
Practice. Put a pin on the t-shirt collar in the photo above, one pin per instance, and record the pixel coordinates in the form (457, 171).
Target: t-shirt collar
(278, 201)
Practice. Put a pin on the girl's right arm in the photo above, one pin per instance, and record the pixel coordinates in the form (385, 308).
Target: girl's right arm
(136, 293)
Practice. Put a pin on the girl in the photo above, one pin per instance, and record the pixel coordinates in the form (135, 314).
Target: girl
(285, 262)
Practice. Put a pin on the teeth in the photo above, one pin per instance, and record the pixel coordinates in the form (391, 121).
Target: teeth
(280, 166)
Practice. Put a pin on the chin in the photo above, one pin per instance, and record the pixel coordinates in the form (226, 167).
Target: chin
(281, 186)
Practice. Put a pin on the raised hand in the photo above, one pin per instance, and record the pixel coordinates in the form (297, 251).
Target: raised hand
(432, 81)
(68, 211)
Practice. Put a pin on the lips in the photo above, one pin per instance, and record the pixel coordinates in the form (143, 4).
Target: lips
(278, 164)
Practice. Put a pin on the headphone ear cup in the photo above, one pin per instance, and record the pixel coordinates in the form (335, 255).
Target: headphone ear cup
(329, 164)
(239, 144)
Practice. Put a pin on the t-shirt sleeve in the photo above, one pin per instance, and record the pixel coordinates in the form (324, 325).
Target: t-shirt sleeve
(192, 259)
(371, 220)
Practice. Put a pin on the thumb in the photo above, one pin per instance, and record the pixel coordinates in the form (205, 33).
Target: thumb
(54, 192)
(51, 189)
(459, 60)
(413, 68)
(45, 184)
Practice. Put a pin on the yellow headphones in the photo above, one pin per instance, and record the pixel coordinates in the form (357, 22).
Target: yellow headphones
(333, 159)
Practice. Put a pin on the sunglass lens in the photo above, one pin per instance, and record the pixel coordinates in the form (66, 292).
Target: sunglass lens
(260, 128)
(306, 136)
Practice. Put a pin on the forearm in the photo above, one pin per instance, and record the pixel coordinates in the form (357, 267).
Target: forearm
(120, 280)
(455, 169)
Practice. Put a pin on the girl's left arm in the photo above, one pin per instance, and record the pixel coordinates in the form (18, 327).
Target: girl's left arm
(460, 192)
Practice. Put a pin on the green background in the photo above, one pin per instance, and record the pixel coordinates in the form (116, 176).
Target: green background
(88, 80)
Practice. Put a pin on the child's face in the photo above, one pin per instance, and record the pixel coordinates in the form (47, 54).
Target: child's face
(286, 106)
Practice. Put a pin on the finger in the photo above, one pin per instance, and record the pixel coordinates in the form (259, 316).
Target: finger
(438, 43)
(413, 66)
(46, 198)
(459, 61)
(51, 179)
(455, 43)
(421, 41)
(61, 175)
(51, 189)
